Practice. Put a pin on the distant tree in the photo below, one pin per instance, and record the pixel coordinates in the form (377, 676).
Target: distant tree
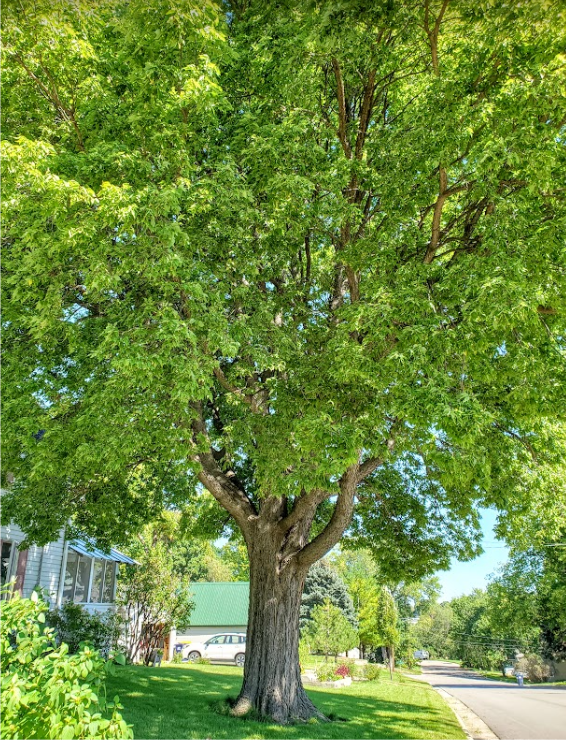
(235, 557)
(433, 631)
(153, 596)
(359, 571)
(533, 583)
(416, 598)
(322, 583)
(477, 644)
(329, 631)
(387, 629)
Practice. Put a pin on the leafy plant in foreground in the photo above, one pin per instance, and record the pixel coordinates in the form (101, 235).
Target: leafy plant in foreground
(73, 626)
(47, 693)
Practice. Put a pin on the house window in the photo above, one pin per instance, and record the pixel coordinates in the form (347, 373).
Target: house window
(6, 563)
(88, 580)
(102, 591)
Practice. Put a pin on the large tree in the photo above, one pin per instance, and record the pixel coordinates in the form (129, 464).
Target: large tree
(307, 256)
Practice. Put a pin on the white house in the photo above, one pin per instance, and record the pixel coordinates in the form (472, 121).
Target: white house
(67, 570)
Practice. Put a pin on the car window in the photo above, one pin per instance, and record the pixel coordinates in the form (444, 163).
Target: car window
(217, 640)
(242, 638)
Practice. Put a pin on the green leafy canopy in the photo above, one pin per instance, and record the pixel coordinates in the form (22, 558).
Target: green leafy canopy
(282, 240)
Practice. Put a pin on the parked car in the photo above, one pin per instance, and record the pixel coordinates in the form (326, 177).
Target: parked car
(421, 655)
(229, 647)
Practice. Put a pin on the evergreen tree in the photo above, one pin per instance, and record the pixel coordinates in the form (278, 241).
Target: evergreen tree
(324, 583)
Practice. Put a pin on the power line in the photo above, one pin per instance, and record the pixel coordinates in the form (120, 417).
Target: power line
(507, 547)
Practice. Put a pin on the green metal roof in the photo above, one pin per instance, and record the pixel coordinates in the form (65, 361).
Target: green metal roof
(220, 604)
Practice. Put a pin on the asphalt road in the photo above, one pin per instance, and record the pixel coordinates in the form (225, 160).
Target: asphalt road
(512, 712)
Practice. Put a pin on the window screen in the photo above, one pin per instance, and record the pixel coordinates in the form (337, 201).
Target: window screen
(6, 558)
(82, 579)
(108, 593)
(97, 582)
(70, 575)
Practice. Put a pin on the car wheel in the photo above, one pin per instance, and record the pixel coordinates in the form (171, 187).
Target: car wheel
(240, 659)
(192, 656)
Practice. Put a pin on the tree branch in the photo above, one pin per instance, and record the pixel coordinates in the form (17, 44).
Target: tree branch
(444, 192)
(255, 399)
(365, 113)
(526, 444)
(52, 96)
(341, 517)
(342, 116)
(304, 506)
(433, 34)
(367, 468)
(223, 486)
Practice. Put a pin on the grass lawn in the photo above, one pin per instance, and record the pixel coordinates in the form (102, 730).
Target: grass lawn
(183, 702)
(496, 675)
(511, 679)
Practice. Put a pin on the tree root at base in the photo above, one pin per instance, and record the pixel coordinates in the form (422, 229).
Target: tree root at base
(244, 707)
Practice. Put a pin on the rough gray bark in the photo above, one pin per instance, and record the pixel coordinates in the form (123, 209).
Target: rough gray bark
(272, 678)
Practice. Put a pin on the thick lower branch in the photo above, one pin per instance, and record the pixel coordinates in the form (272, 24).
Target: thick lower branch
(221, 485)
(305, 506)
(341, 517)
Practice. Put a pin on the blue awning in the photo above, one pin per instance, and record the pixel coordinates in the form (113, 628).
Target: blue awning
(88, 549)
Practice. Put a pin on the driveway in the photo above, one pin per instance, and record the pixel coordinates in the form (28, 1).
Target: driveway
(512, 712)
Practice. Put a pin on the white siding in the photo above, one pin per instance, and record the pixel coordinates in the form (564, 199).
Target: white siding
(31, 578)
(50, 575)
(43, 566)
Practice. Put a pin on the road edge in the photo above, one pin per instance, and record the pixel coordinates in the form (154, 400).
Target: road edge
(474, 727)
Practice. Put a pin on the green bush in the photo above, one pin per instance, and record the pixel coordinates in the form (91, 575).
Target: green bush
(304, 651)
(406, 658)
(350, 664)
(202, 661)
(74, 626)
(46, 692)
(372, 672)
(326, 672)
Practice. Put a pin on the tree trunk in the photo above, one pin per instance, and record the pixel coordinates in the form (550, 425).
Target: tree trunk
(280, 551)
(272, 678)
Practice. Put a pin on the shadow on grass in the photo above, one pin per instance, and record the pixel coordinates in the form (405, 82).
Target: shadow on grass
(184, 703)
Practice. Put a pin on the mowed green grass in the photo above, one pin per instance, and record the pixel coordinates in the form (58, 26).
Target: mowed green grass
(183, 702)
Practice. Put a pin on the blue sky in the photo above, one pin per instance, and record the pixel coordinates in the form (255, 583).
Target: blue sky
(462, 578)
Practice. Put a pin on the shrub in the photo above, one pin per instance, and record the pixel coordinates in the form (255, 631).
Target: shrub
(533, 667)
(202, 661)
(343, 670)
(177, 658)
(46, 692)
(74, 626)
(352, 665)
(372, 672)
(326, 672)
(330, 632)
(304, 650)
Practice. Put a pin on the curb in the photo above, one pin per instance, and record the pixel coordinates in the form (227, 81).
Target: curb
(474, 727)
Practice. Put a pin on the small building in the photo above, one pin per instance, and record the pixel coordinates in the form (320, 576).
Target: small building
(67, 570)
(218, 607)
